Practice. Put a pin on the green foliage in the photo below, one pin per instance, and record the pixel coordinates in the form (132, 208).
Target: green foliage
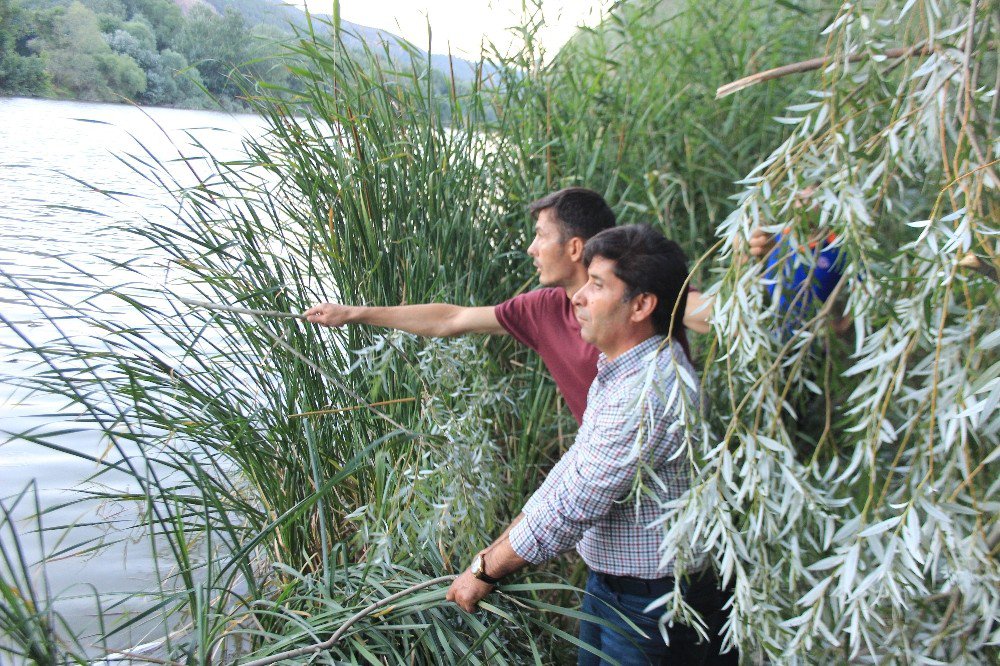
(849, 481)
(81, 63)
(244, 36)
(142, 32)
(140, 50)
(31, 628)
(163, 16)
(629, 109)
(21, 71)
(215, 45)
(170, 81)
(108, 9)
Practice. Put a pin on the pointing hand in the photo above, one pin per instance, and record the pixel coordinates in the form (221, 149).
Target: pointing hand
(328, 314)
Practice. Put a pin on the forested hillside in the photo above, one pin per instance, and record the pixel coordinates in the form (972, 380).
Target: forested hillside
(190, 53)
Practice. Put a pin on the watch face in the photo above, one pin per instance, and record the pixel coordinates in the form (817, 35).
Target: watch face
(477, 565)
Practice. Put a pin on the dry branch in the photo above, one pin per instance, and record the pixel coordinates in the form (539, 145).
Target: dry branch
(808, 66)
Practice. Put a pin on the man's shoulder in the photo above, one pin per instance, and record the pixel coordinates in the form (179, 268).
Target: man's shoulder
(649, 372)
(544, 299)
(542, 314)
(542, 295)
(650, 389)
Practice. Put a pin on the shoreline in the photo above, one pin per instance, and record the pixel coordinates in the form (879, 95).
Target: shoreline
(130, 104)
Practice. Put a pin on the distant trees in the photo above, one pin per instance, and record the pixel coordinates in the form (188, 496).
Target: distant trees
(82, 64)
(214, 44)
(145, 51)
(150, 53)
(163, 16)
(21, 70)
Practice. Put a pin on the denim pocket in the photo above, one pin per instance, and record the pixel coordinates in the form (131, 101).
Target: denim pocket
(634, 606)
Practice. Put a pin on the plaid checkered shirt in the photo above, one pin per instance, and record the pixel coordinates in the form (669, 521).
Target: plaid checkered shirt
(589, 499)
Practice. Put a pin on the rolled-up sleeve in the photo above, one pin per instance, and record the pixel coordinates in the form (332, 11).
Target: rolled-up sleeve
(583, 487)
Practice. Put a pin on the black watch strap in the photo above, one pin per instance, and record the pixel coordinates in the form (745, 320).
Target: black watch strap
(480, 571)
(487, 578)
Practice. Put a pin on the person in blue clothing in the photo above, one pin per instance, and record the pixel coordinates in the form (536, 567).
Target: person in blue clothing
(799, 276)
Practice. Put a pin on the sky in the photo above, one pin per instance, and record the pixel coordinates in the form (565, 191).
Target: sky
(464, 24)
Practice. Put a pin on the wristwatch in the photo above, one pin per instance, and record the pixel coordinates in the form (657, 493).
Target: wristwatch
(478, 569)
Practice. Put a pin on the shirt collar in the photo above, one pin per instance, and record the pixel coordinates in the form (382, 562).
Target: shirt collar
(609, 370)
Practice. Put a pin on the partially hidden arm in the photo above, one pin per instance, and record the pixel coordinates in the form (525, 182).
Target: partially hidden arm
(698, 312)
(699, 307)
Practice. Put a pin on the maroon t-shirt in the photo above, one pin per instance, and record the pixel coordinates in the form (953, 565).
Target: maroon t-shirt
(543, 320)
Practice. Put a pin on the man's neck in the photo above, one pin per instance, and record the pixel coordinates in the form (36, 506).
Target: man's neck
(633, 339)
(575, 286)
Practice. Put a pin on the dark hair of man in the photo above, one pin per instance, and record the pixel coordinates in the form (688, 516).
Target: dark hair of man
(582, 212)
(647, 263)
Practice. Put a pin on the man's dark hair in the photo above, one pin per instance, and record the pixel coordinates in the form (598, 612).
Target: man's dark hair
(647, 263)
(581, 212)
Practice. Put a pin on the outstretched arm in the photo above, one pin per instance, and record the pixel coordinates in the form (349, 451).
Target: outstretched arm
(699, 307)
(436, 320)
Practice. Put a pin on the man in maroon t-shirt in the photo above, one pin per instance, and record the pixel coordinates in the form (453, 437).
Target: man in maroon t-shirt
(542, 319)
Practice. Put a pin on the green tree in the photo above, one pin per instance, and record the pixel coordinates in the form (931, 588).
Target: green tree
(163, 16)
(143, 32)
(126, 44)
(81, 63)
(21, 71)
(111, 8)
(170, 82)
(216, 45)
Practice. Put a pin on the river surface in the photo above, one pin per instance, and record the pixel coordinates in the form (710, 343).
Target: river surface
(58, 160)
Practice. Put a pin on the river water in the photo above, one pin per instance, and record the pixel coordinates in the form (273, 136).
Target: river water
(58, 160)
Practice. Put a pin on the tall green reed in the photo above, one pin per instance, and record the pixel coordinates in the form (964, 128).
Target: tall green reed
(32, 630)
(629, 108)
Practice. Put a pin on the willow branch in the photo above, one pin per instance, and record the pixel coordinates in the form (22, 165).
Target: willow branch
(810, 65)
(330, 642)
(970, 107)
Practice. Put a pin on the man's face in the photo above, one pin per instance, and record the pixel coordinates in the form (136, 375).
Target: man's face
(551, 255)
(600, 308)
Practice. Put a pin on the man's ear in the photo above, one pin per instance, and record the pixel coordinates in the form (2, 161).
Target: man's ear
(575, 247)
(643, 306)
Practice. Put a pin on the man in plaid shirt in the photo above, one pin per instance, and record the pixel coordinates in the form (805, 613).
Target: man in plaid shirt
(629, 446)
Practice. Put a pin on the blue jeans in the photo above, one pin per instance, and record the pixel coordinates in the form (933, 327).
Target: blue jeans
(631, 649)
